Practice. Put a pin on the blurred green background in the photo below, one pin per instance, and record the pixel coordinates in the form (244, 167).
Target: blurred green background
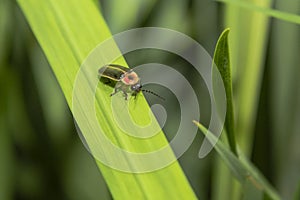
(41, 155)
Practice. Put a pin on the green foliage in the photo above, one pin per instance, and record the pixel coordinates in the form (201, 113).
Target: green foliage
(222, 61)
(67, 32)
(244, 171)
(41, 154)
(289, 17)
(248, 49)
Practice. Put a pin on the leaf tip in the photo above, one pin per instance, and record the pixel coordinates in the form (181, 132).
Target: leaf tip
(195, 122)
(225, 33)
(200, 126)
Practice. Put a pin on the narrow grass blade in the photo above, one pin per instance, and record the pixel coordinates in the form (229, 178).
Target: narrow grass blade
(222, 61)
(248, 48)
(6, 13)
(297, 192)
(284, 87)
(242, 169)
(120, 19)
(267, 11)
(67, 31)
(6, 160)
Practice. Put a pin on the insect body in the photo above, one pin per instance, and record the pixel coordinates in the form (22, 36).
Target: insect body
(124, 79)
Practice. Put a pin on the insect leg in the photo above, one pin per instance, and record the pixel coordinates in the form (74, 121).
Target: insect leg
(134, 94)
(118, 87)
(125, 94)
(115, 91)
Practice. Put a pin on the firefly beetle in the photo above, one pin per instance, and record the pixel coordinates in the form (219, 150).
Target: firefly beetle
(123, 78)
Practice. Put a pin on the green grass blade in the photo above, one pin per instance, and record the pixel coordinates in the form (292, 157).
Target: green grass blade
(247, 48)
(222, 61)
(297, 192)
(119, 19)
(5, 28)
(242, 169)
(283, 77)
(6, 160)
(267, 11)
(67, 31)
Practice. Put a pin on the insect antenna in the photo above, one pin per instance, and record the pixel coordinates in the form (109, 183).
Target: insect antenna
(148, 91)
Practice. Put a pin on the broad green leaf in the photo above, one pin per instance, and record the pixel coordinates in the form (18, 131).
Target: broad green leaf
(245, 172)
(54, 107)
(267, 11)
(78, 170)
(67, 31)
(222, 61)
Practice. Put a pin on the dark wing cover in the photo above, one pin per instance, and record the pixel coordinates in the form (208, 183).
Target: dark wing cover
(112, 71)
(120, 67)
